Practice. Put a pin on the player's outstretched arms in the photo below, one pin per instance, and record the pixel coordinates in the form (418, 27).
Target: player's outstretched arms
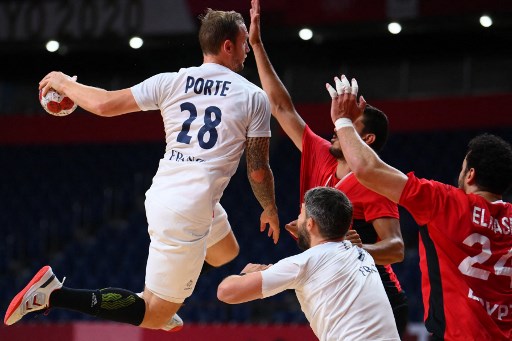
(262, 183)
(281, 103)
(368, 168)
(95, 100)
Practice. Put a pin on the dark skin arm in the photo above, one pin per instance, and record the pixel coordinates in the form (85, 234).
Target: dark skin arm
(390, 248)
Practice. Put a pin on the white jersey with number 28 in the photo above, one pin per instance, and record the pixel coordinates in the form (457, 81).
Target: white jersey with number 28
(208, 113)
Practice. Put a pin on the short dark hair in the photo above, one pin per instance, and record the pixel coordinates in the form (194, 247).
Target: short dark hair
(376, 122)
(491, 157)
(217, 27)
(330, 209)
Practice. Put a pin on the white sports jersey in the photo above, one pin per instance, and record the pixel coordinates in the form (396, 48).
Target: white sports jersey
(208, 112)
(339, 290)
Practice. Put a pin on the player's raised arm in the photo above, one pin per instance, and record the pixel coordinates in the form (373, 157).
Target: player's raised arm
(280, 100)
(262, 183)
(95, 100)
(369, 169)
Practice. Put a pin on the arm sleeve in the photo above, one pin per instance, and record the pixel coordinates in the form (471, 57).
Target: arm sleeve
(279, 277)
(424, 199)
(260, 119)
(380, 207)
(148, 93)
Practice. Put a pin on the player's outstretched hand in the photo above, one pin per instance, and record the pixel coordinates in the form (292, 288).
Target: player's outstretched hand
(293, 228)
(344, 99)
(254, 29)
(55, 80)
(269, 216)
(353, 237)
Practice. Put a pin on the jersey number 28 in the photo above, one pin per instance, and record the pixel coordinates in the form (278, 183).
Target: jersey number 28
(208, 127)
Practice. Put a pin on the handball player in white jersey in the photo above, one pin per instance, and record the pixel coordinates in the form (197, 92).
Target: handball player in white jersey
(210, 114)
(337, 284)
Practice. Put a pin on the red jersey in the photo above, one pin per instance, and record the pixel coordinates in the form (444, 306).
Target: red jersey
(318, 168)
(465, 260)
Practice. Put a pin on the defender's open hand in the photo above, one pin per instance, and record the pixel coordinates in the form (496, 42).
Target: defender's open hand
(344, 99)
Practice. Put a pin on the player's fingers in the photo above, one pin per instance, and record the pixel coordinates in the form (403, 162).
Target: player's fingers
(44, 80)
(276, 235)
(345, 81)
(74, 78)
(331, 91)
(345, 85)
(362, 103)
(339, 85)
(263, 225)
(355, 87)
(46, 88)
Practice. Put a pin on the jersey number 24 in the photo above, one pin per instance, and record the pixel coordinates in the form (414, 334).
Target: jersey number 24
(467, 265)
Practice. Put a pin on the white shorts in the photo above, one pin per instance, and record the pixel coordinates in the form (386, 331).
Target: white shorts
(179, 211)
(220, 226)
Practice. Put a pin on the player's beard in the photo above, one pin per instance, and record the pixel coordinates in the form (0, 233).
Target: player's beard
(336, 153)
(238, 67)
(304, 241)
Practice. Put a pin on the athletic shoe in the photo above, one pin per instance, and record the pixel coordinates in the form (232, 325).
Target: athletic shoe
(174, 324)
(35, 296)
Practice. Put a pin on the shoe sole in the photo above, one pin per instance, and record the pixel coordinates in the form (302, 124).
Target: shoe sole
(175, 329)
(16, 301)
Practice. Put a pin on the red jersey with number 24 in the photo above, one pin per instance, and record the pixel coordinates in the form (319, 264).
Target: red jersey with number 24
(465, 260)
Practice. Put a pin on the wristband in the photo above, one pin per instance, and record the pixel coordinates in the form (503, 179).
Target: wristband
(342, 123)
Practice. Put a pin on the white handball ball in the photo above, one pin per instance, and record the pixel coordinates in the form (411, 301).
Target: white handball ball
(55, 104)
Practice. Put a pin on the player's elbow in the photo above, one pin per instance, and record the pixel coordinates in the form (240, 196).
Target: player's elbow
(105, 105)
(103, 108)
(100, 109)
(398, 253)
(282, 109)
(226, 293)
(258, 175)
(363, 169)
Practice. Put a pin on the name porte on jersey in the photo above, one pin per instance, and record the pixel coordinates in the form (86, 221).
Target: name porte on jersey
(207, 87)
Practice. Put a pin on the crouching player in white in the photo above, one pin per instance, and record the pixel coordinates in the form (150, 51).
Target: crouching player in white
(210, 115)
(336, 283)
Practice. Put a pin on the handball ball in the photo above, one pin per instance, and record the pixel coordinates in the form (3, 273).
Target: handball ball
(55, 104)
